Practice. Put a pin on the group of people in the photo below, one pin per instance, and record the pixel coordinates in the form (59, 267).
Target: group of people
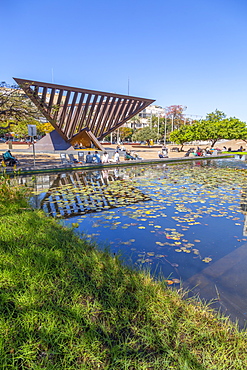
(95, 158)
(131, 156)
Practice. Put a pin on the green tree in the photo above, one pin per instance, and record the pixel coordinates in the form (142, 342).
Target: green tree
(145, 134)
(215, 116)
(213, 131)
(44, 128)
(214, 128)
(15, 106)
(125, 133)
(182, 135)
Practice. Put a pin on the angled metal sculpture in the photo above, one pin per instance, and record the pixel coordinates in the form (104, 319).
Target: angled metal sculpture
(79, 115)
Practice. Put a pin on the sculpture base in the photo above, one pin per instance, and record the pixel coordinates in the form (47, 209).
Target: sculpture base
(52, 142)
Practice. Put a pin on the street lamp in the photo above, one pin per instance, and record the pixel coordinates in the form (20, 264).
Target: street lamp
(165, 130)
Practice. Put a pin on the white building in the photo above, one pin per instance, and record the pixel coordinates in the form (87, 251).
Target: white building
(144, 117)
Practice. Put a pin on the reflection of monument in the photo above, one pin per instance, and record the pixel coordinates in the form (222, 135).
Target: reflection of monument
(80, 116)
(90, 191)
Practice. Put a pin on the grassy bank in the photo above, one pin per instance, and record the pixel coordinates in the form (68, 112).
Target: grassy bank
(66, 305)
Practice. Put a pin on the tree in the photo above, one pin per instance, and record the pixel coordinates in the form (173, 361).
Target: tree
(215, 127)
(44, 128)
(15, 106)
(174, 114)
(182, 135)
(125, 133)
(215, 116)
(134, 121)
(145, 134)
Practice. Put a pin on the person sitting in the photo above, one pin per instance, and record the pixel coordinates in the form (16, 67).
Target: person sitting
(160, 155)
(105, 158)
(8, 159)
(187, 154)
(96, 157)
(128, 156)
(116, 157)
(165, 151)
(89, 158)
(136, 156)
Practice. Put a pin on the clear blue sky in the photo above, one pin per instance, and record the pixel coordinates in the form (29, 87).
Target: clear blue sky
(189, 52)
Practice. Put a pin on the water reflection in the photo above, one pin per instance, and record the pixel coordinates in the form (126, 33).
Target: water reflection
(81, 192)
(186, 222)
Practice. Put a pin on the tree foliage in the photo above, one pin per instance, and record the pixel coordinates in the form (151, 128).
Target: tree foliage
(145, 134)
(175, 113)
(215, 127)
(15, 106)
(125, 133)
(182, 135)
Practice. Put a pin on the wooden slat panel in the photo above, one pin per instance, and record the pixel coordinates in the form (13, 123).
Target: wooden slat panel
(43, 99)
(119, 113)
(91, 111)
(51, 99)
(64, 111)
(58, 104)
(96, 113)
(139, 107)
(112, 116)
(125, 111)
(36, 91)
(71, 109)
(76, 117)
(96, 130)
(84, 112)
(40, 106)
(107, 116)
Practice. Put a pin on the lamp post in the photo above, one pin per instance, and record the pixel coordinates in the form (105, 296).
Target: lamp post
(165, 130)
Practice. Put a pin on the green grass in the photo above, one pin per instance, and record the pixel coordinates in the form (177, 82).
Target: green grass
(66, 305)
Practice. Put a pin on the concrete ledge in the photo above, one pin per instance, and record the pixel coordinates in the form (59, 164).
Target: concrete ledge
(50, 167)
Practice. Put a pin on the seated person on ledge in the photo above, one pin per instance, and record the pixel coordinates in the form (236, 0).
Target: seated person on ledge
(96, 157)
(128, 156)
(9, 160)
(89, 158)
(160, 155)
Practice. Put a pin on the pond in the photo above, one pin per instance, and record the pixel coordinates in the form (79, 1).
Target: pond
(184, 222)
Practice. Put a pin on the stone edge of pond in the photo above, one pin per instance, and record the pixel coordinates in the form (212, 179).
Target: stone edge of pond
(52, 169)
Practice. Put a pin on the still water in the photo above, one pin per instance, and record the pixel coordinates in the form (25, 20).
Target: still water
(184, 222)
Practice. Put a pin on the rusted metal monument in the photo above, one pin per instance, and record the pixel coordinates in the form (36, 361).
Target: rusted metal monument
(80, 116)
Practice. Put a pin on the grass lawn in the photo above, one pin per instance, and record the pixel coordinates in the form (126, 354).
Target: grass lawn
(66, 305)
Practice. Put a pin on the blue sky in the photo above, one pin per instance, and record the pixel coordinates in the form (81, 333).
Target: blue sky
(188, 52)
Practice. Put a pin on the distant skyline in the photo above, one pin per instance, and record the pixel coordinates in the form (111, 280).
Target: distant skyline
(191, 53)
